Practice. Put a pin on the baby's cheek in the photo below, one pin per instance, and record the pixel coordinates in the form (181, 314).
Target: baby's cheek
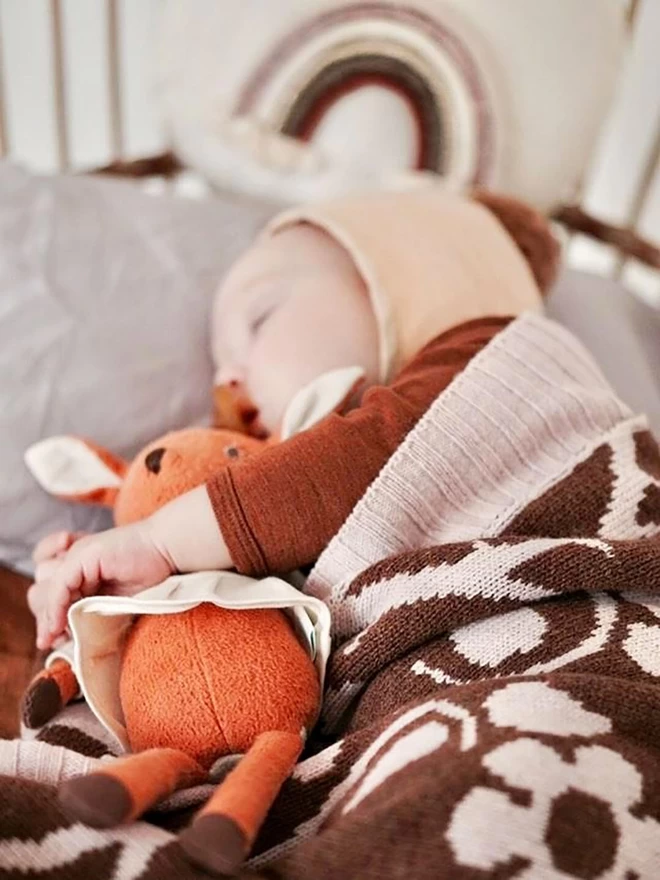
(294, 348)
(275, 372)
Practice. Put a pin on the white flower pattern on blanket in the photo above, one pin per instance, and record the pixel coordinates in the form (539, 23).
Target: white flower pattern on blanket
(597, 783)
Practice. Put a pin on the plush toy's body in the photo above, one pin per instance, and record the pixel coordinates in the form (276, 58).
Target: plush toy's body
(194, 686)
(213, 679)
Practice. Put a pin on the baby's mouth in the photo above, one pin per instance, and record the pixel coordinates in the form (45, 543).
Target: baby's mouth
(232, 409)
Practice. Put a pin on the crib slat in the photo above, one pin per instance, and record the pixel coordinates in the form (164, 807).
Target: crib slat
(141, 133)
(28, 83)
(3, 115)
(614, 189)
(633, 10)
(84, 29)
(637, 208)
(114, 79)
(59, 88)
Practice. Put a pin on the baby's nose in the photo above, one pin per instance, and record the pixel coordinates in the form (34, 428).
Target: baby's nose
(230, 375)
(153, 460)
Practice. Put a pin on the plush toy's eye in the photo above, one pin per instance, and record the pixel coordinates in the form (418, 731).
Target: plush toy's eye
(232, 452)
(153, 460)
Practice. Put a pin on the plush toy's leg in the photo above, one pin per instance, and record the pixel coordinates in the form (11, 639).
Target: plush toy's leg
(49, 691)
(223, 832)
(128, 787)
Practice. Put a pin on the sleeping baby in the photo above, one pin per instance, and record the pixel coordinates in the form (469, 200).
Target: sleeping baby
(408, 287)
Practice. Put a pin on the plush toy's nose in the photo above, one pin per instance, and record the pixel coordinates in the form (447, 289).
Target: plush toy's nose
(153, 460)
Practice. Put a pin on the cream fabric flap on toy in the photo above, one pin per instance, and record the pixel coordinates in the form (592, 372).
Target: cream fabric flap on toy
(99, 623)
(320, 397)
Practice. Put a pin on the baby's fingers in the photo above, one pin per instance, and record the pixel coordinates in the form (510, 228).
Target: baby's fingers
(53, 545)
(40, 598)
(44, 637)
(36, 598)
(45, 570)
(63, 589)
(67, 584)
(51, 623)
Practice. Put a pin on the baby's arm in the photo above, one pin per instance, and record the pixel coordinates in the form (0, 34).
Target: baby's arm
(279, 510)
(182, 536)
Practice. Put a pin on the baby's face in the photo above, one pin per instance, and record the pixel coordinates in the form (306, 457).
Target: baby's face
(291, 308)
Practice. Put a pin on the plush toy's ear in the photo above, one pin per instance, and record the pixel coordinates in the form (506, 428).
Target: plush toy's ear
(76, 470)
(329, 393)
(531, 232)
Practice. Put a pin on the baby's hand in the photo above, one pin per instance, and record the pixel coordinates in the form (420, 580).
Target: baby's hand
(121, 561)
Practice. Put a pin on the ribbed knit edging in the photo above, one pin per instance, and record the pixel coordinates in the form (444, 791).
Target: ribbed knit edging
(526, 410)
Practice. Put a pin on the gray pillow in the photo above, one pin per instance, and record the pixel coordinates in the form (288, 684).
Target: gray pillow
(105, 294)
(620, 330)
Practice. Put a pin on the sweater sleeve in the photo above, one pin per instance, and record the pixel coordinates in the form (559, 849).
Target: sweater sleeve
(277, 511)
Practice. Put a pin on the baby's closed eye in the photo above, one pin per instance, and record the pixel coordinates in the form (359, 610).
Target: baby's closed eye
(257, 323)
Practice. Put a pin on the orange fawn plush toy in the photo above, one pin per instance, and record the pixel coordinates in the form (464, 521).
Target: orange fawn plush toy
(197, 668)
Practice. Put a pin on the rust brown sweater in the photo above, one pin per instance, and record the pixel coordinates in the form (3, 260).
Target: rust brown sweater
(277, 511)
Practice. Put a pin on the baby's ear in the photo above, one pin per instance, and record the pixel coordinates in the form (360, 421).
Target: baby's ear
(76, 470)
(531, 232)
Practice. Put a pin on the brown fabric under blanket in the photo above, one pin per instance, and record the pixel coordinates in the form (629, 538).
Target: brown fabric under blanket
(18, 658)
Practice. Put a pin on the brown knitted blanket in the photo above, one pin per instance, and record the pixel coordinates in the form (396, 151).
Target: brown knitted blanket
(493, 699)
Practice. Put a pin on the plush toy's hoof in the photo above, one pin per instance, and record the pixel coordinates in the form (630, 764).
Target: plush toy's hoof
(98, 800)
(42, 702)
(215, 843)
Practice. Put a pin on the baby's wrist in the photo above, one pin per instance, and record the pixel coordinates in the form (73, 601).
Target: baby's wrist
(186, 533)
(156, 534)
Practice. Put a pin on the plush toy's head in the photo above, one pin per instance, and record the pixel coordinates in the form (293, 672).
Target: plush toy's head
(78, 470)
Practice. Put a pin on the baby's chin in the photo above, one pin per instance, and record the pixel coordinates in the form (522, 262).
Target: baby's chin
(273, 408)
(270, 417)
(310, 401)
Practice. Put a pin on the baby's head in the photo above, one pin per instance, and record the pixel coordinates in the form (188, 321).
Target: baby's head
(366, 282)
(291, 308)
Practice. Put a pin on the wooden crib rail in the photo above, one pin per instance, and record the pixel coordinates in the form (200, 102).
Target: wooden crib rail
(629, 244)
(165, 165)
